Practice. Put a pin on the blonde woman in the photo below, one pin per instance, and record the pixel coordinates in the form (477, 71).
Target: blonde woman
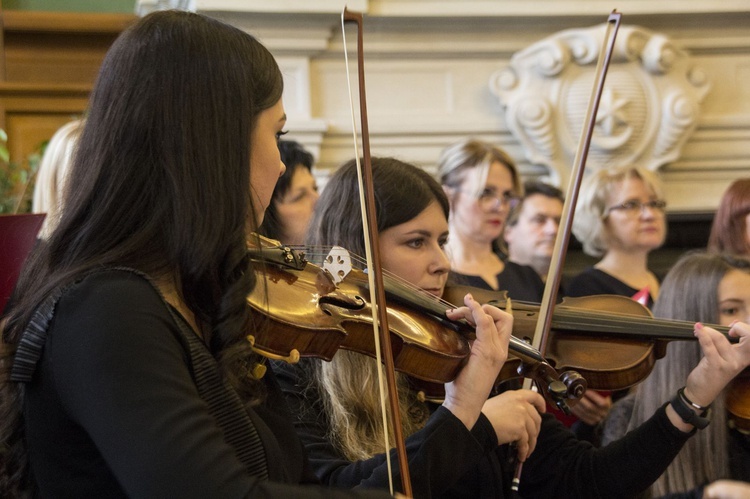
(53, 171)
(619, 218)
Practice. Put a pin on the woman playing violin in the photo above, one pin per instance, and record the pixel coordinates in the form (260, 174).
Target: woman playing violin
(451, 455)
(125, 369)
(707, 288)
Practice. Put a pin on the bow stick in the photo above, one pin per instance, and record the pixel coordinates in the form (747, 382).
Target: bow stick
(372, 254)
(554, 275)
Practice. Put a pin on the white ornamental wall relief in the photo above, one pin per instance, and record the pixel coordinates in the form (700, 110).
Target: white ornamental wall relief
(649, 107)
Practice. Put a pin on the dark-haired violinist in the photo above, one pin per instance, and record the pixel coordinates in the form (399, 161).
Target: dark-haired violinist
(125, 368)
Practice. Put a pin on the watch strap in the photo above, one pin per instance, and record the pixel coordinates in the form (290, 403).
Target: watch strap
(682, 406)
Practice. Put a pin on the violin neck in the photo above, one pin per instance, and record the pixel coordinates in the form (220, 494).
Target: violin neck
(625, 325)
(436, 307)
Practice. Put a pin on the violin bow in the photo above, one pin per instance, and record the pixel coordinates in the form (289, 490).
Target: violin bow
(554, 275)
(372, 255)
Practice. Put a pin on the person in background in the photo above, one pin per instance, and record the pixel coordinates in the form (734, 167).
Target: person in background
(338, 414)
(712, 289)
(532, 226)
(620, 219)
(52, 174)
(482, 185)
(730, 230)
(126, 371)
(530, 236)
(294, 197)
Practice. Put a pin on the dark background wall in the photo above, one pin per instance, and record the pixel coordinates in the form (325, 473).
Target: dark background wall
(685, 232)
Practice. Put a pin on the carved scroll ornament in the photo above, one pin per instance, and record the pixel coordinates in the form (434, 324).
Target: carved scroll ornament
(649, 108)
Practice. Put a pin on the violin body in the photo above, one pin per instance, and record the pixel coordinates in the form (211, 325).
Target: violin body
(738, 402)
(612, 341)
(607, 361)
(314, 316)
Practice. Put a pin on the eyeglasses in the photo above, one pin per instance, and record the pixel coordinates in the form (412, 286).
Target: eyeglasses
(489, 199)
(635, 207)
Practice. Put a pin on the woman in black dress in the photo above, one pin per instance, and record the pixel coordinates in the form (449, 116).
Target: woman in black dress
(482, 185)
(125, 369)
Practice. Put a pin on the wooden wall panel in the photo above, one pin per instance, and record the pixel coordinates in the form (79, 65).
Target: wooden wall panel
(49, 63)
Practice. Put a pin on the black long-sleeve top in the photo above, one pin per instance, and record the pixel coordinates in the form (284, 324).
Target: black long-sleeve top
(113, 409)
(448, 460)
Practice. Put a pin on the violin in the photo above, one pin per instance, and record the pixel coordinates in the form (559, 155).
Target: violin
(603, 342)
(611, 340)
(313, 315)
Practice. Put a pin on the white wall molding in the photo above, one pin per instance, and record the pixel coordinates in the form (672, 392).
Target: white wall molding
(428, 64)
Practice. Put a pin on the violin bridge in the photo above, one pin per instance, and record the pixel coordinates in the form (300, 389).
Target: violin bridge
(338, 263)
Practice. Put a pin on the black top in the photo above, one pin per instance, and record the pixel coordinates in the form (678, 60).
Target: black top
(113, 410)
(447, 460)
(593, 281)
(520, 281)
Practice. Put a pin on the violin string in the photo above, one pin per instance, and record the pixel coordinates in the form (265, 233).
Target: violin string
(581, 317)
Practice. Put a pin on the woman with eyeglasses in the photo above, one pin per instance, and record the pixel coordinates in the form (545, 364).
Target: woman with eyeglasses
(620, 218)
(483, 186)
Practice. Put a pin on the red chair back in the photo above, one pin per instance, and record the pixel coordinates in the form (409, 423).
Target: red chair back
(17, 238)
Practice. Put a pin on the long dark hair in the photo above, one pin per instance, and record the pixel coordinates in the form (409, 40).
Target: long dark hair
(160, 183)
(690, 293)
(402, 191)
